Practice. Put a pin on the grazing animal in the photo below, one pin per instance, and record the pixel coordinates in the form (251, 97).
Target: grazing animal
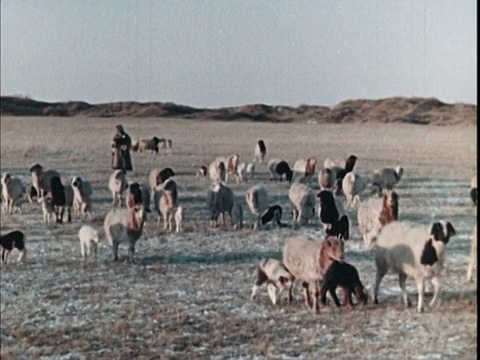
(308, 260)
(237, 216)
(305, 168)
(117, 184)
(136, 145)
(353, 185)
(346, 276)
(82, 197)
(217, 170)
(260, 151)
(13, 192)
(349, 165)
(302, 199)
(279, 169)
(124, 225)
(149, 144)
(165, 144)
(158, 177)
(339, 172)
(273, 215)
(473, 254)
(41, 179)
(232, 167)
(134, 195)
(245, 171)
(31, 193)
(276, 276)
(9, 241)
(166, 203)
(220, 200)
(474, 190)
(326, 179)
(257, 201)
(202, 171)
(48, 210)
(334, 223)
(374, 213)
(387, 177)
(412, 250)
(62, 198)
(88, 240)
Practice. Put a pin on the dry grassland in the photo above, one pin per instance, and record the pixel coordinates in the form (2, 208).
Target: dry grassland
(188, 295)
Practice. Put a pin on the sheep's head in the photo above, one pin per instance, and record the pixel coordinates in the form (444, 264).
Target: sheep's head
(331, 249)
(77, 182)
(399, 172)
(442, 231)
(36, 168)
(350, 163)
(6, 177)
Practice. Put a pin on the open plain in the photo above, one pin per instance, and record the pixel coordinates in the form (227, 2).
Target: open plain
(188, 295)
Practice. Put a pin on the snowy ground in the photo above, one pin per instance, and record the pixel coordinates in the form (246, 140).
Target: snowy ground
(188, 295)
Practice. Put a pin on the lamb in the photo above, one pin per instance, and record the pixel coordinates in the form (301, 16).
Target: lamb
(260, 151)
(374, 213)
(278, 169)
(220, 200)
(277, 277)
(217, 170)
(13, 192)
(82, 197)
(166, 203)
(88, 239)
(48, 210)
(124, 225)
(13, 239)
(41, 179)
(474, 190)
(353, 185)
(346, 276)
(308, 260)
(334, 222)
(117, 184)
(158, 177)
(303, 203)
(149, 144)
(387, 177)
(305, 168)
(273, 215)
(473, 254)
(412, 250)
(257, 201)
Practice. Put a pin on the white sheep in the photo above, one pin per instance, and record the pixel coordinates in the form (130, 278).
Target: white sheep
(473, 254)
(387, 177)
(412, 250)
(237, 216)
(220, 200)
(88, 240)
(48, 210)
(217, 170)
(308, 260)
(353, 185)
(302, 199)
(276, 276)
(124, 225)
(257, 201)
(41, 179)
(245, 171)
(375, 213)
(304, 169)
(13, 191)
(82, 197)
(117, 184)
(165, 201)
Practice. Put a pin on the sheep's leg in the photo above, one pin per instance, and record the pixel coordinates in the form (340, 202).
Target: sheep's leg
(402, 278)
(306, 295)
(272, 293)
(290, 295)
(315, 294)
(82, 250)
(347, 296)
(382, 268)
(420, 289)
(69, 214)
(473, 261)
(115, 251)
(4, 256)
(131, 250)
(436, 289)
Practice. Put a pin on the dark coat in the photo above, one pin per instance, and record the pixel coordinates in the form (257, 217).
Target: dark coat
(121, 145)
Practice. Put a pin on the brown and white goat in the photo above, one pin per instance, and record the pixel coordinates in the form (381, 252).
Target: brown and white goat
(276, 276)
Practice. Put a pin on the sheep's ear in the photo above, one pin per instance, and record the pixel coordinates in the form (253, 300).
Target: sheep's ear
(282, 280)
(437, 231)
(450, 229)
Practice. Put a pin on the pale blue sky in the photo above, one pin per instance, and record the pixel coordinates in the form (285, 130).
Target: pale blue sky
(224, 53)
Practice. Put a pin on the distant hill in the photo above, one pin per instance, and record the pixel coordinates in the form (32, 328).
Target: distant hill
(422, 111)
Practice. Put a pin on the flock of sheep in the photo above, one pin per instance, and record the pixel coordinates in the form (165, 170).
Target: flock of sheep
(409, 249)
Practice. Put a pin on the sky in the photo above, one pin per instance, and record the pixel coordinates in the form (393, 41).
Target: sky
(234, 52)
